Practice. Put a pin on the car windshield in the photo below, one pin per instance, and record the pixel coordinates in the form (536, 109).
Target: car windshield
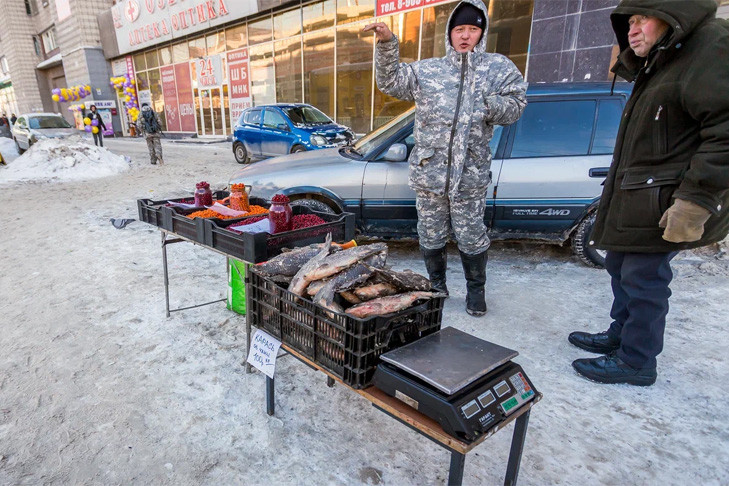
(306, 115)
(377, 136)
(48, 122)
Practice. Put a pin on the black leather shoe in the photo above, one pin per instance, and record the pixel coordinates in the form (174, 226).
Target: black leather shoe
(611, 369)
(601, 342)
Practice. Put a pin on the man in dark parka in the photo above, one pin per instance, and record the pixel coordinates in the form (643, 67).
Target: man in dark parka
(668, 185)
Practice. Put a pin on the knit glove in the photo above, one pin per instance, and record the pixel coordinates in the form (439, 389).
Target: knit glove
(684, 221)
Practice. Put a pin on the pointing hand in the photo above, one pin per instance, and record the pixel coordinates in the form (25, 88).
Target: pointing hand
(382, 31)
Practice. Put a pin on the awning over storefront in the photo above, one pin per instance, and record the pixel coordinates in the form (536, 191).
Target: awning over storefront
(50, 62)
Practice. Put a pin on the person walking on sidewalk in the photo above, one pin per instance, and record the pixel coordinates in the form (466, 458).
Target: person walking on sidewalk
(148, 125)
(458, 100)
(99, 135)
(668, 185)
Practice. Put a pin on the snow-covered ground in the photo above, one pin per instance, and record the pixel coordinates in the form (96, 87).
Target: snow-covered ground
(98, 387)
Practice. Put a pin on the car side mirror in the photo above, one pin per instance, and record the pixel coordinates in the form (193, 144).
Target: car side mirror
(283, 126)
(397, 152)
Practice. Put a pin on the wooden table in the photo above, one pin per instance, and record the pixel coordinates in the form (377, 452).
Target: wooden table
(426, 426)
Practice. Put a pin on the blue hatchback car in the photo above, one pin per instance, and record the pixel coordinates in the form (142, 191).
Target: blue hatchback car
(285, 128)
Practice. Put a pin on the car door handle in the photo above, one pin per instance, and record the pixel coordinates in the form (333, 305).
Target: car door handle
(599, 171)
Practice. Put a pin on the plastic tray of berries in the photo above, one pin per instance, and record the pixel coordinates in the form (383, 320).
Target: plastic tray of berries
(150, 211)
(309, 227)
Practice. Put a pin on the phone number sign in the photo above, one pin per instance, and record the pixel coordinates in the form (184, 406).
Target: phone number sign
(388, 7)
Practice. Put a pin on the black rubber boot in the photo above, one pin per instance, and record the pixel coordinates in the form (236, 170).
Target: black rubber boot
(436, 263)
(474, 267)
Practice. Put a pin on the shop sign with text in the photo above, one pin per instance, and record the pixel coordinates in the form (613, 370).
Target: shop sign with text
(143, 23)
(239, 83)
(209, 71)
(169, 93)
(388, 7)
(185, 101)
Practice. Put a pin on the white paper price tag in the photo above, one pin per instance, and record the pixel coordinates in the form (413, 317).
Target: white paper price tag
(262, 355)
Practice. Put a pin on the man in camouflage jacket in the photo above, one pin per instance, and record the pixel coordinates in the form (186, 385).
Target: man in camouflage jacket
(458, 99)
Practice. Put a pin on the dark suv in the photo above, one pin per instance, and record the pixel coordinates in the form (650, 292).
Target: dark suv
(548, 170)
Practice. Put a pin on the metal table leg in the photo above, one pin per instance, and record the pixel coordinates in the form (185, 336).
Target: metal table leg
(166, 275)
(270, 405)
(455, 473)
(517, 447)
(249, 368)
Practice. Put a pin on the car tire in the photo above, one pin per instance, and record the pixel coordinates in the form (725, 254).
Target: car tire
(240, 153)
(580, 243)
(298, 148)
(20, 150)
(314, 205)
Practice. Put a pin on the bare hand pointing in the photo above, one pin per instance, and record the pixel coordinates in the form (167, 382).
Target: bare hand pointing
(382, 31)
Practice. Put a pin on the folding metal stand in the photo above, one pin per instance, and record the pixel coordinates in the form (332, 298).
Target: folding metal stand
(426, 426)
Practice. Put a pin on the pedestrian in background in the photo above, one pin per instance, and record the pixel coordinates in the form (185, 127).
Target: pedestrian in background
(148, 125)
(13, 118)
(458, 100)
(99, 135)
(668, 185)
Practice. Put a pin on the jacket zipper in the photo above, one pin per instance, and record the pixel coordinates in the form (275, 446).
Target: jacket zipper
(464, 64)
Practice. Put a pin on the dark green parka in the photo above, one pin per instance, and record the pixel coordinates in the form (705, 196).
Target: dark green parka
(673, 140)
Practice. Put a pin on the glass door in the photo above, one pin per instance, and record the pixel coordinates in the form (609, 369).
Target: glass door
(216, 111)
(211, 112)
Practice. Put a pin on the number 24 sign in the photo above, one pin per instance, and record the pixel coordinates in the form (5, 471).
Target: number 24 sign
(209, 71)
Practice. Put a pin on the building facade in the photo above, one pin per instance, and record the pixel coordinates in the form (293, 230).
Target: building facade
(49, 44)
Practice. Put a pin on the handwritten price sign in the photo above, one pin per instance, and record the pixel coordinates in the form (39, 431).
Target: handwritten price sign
(262, 355)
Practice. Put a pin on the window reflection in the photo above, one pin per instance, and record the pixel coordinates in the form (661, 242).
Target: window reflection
(262, 89)
(351, 10)
(319, 71)
(434, 30)
(139, 64)
(158, 102)
(319, 15)
(236, 37)
(354, 77)
(197, 48)
(215, 43)
(509, 29)
(165, 56)
(151, 59)
(288, 70)
(259, 31)
(180, 53)
(287, 24)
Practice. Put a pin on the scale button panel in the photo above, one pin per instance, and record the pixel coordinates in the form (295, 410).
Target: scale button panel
(524, 393)
(502, 388)
(486, 399)
(470, 409)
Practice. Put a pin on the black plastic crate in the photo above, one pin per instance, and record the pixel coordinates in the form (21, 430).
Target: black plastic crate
(151, 211)
(259, 247)
(343, 345)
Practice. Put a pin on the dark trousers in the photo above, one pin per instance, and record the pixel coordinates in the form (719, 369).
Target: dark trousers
(640, 291)
(98, 138)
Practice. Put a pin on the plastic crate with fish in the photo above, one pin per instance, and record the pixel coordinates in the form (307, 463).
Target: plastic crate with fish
(344, 345)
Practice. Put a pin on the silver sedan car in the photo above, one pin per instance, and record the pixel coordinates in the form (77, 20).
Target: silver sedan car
(31, 127)
(547, 171)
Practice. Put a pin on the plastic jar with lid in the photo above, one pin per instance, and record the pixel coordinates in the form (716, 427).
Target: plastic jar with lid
(203, 195)
(280, 215)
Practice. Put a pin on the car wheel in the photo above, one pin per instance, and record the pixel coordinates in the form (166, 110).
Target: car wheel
(298, 148)
(241, 154)
(580, 243)
(314, 205)
(20, 150)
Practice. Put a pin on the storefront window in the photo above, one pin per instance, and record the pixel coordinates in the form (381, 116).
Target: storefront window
(434, 30)
(197, 48)
(287, 56)
(259, 31)
(354, 77)
(287, 24)
(151, 58)
(180, 53)
(509, 30)
(139, 64)
(158, 101)
(319, 15)
(352, 10)
(142, 81)
(262, 88)
(236, 37)
(407, 28)
(165, 56)
(319, 71)
(216, 43)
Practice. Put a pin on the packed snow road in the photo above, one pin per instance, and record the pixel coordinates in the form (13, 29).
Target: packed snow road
(98, 387)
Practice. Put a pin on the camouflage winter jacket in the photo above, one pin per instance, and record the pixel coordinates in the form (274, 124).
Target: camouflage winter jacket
(458, 100)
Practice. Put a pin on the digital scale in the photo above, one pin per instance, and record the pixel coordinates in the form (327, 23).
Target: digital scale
(468, 385)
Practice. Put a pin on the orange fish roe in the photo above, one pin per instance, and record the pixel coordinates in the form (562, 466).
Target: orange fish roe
(209, 213)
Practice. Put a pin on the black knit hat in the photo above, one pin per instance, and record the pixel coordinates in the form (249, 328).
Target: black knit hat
(467, 14)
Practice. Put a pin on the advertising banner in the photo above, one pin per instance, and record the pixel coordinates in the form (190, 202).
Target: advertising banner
(169, 94)
(209, 71)
(388, 7)
(185, 101)
(239, 83)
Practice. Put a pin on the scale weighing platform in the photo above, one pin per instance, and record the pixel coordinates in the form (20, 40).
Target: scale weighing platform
(468, 385)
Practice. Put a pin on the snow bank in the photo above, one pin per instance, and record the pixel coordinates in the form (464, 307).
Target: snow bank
(65, 159)
(8, 149)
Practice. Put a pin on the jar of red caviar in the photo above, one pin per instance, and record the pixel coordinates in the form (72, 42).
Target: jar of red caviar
(203, 195)
(280, 216)
(239, 197)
